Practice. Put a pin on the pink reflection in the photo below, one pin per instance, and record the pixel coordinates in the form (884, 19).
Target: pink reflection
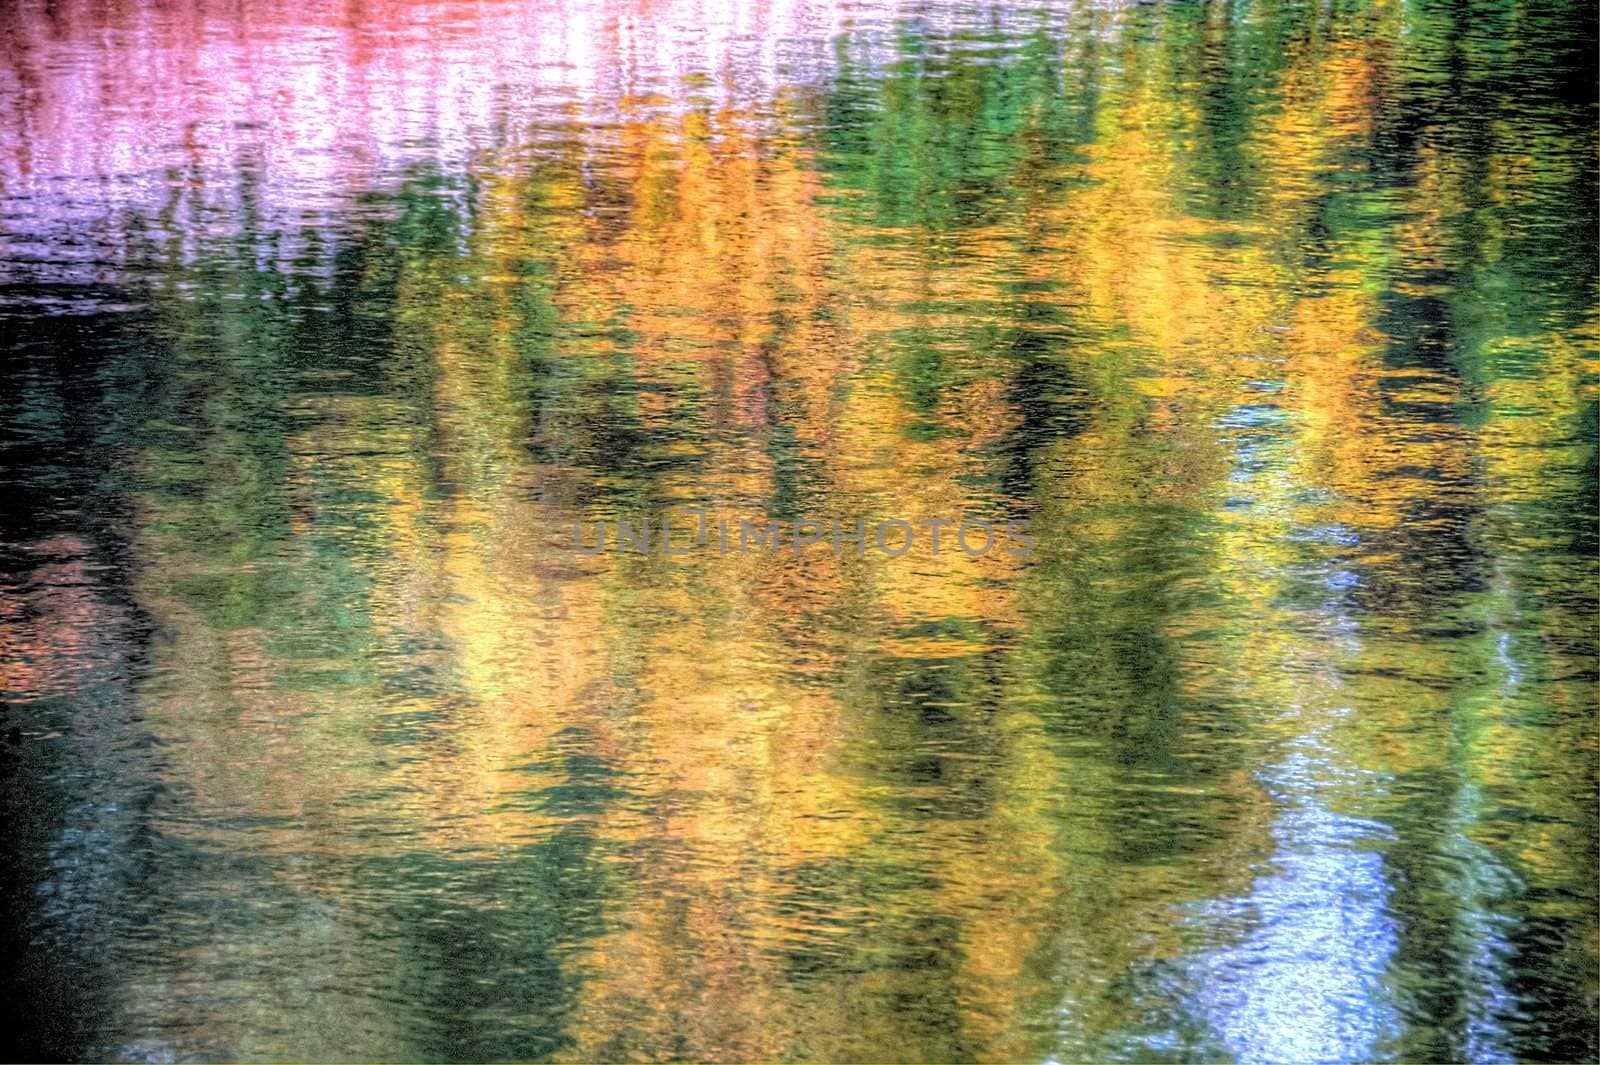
(140, 104)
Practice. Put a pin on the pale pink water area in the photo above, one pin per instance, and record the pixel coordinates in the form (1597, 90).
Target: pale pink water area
(191, 111)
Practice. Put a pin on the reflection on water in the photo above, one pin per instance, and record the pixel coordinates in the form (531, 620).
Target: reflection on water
(325, 322)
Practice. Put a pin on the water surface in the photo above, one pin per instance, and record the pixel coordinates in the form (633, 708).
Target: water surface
(324, 322)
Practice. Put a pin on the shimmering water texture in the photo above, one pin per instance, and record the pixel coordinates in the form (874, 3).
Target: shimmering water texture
(325, 322)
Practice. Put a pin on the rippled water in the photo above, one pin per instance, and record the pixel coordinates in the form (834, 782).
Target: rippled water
(323, 323)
